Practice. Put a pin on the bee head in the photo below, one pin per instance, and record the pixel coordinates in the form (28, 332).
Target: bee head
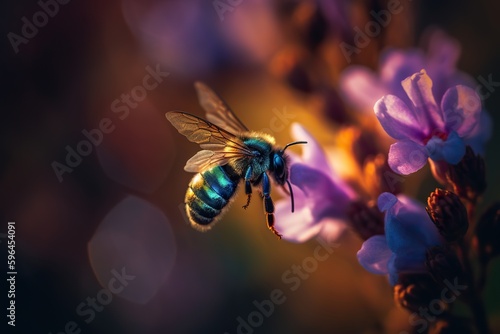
(280, 169)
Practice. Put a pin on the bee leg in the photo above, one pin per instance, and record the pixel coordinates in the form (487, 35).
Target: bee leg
(248, 186)
(268, 204)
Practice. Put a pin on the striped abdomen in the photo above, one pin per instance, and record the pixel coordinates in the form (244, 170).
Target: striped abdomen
(207, 195)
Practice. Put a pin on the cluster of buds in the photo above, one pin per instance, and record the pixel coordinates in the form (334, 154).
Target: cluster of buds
(416, 291)
(467, 179)
(449, 261)
(444, 266)
(448, 214)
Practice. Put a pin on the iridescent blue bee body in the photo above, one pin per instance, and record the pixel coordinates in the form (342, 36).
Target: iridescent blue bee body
(209, 193)
(230, 153)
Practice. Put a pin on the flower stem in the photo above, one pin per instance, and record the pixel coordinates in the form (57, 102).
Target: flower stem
(471, 210)
(473, 298)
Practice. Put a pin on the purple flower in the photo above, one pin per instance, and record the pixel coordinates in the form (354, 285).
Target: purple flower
(424, 129)
(409, 232)
(362, 87)
(321, 198)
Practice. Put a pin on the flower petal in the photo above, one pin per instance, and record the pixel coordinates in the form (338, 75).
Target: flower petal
(410, 262)
(409, 229)
(462, 109)
(444, 51)
(374, 255)
(407, 263)
(361, 87)
(332, 229)
(298, 226)
(481, 134)
(386, 201)
(397, 65)
(393, 272)
(443, 54)
(326, 198)
(406, 157)
(399, 121)
(300, 199)
(312, 152)
(419, 90)
(451, 150)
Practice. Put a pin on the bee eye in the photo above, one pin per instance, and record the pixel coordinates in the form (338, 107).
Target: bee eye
(279, 166)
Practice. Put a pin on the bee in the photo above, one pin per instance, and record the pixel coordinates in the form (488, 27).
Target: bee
(230, 154)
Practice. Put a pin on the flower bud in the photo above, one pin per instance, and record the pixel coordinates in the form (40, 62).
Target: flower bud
(468, 177)
(487, 240)
(444, 265)
(366, 219)
(416, 291)
(448, 214)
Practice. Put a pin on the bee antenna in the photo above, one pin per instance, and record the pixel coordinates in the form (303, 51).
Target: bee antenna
(294, 143)
(291, 195)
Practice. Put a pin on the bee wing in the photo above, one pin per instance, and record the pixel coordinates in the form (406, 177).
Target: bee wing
(219, 146)
(205, 159)
(218, 112)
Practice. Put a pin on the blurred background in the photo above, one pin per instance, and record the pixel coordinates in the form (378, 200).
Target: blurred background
(92, 172)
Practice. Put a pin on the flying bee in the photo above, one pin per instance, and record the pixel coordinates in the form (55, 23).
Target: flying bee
(230, 153)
